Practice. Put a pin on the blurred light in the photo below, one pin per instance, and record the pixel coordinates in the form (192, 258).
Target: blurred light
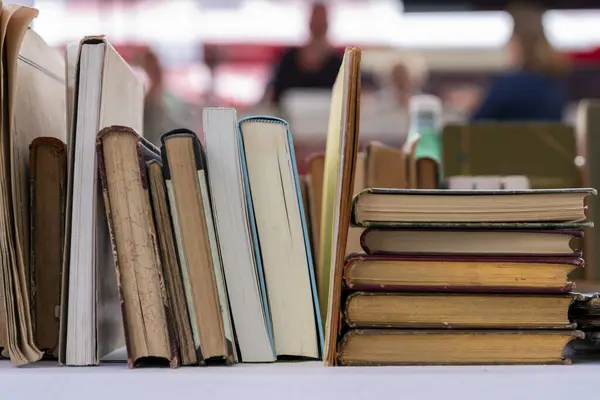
(379, 22)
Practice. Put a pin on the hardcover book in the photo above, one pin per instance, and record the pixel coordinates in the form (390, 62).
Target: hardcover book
(122, 157)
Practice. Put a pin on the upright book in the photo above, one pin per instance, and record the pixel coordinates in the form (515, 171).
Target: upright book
(48, 178)
(270, 170)
(340, 164)
(184, 164)
(239, 246)
(106, 92)
(170, 261)
(33, 105)
(122, 157)
(397, 207)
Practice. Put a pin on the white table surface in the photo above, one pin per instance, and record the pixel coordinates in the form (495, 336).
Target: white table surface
(307, 381)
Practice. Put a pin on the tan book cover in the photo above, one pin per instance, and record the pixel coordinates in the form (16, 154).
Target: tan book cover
(386, 167)
(32, 106)
(340, 166)
(184, 164)
(122, 157)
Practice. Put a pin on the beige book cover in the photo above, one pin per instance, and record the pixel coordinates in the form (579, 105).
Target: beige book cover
(340, 163)
(14, 207)
(121, 102)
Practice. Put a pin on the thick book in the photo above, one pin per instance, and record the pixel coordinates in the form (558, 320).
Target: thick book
(395, 207)
(103, 90)
(33, 105)
(184, 168)
(122, 157)
(269, 167)
(458, 311)
(48, 178)
(239, 245)
(451, 241)
(464, 273)
(170, 263)
(378, 347)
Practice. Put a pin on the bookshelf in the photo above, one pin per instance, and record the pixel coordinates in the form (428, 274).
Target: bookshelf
(309, 380)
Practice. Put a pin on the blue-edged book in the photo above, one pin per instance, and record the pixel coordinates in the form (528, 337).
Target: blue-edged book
(280, 232)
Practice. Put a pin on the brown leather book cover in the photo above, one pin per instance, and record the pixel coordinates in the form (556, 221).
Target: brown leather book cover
(47, 174)
(128, 265)
(575, 262)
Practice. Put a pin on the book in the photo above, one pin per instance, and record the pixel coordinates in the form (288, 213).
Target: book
(340, 164)
(362, 347)
(464, 273)
(543, 152)
(588, 132)
(387, 207)
(238, 241)
(354, 233)
(33, 105)
(457, 311)
(386, 167)
(170, 263)
(316, 165)
(184, 169)
(48, 178)
(270, 168)
(509, 241)
(106, 92)
(122, 157)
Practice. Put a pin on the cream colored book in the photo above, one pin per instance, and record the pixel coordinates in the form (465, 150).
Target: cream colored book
(107, 92)
(34, 106)
(279, 224)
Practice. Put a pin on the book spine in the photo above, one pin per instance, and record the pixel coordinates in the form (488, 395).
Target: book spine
(184, 270)
(113, 244)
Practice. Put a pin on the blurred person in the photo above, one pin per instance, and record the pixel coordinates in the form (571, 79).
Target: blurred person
(163, 111)
(313, 65)
(401, 85)
(536, 88)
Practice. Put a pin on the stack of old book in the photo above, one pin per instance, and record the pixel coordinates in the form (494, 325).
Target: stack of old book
(462, 277)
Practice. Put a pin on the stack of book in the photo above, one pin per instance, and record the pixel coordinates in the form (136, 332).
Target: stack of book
(462, 277)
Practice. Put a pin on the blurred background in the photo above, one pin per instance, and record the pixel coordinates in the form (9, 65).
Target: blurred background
(281, 56)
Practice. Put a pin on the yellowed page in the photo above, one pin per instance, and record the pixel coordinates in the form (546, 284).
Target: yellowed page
(16, 30)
